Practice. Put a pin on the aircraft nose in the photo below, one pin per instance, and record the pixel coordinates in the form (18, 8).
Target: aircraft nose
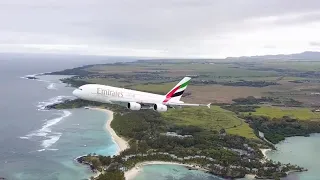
(76, 92)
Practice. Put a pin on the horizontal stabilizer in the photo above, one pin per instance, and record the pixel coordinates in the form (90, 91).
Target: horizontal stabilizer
(208, 105)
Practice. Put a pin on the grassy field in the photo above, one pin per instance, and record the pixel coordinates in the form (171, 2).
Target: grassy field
(205, 93)
(276, 112)
(214, 118)
(216, 71)
(295, 65)
(109, 82)
(155, 88)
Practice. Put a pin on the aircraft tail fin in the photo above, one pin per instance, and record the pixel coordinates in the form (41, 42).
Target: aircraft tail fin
(176, 93)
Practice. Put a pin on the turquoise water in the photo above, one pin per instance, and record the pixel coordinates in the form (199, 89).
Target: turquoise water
(47, 142)
(303, 151)
(42, 145)
(82, 133)
(172, 172)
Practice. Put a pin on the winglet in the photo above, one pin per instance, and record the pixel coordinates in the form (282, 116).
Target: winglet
(208, 105)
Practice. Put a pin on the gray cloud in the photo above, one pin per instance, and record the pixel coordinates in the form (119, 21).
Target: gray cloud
(174, 25)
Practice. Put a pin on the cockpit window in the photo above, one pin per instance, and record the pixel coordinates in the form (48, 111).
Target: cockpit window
(80, 89)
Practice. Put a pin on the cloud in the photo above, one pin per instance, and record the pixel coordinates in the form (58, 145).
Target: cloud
(171, 28)
(314, 43)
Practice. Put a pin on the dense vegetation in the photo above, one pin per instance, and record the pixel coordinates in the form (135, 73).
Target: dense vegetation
(277, 129)
(216, 133)
(79, 71)
(250, 100)
(74, 103)
(146, 132)
(74, 82)
(240, 108)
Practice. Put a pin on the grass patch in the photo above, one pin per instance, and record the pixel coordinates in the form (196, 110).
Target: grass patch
(243, 130)
(276, 112)
(155, 88)
(109, 82)
(214, 118)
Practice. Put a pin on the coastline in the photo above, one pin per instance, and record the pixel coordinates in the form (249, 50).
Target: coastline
(120, 142)
(264, 152)
(133, 172)
(122, 145)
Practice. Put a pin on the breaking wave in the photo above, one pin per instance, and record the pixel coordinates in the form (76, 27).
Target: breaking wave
(51, 140)
(45, 135)
(45, 132)
(52, 86)
(58, 99)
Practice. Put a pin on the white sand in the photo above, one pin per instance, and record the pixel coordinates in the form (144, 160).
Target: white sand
(121, 143)
(132, 173)
(264, 152)
(250, 176)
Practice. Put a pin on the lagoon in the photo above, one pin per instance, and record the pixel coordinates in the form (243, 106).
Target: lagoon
(303, 151)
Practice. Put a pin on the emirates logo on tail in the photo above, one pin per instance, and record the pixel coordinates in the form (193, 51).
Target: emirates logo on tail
(178, 90)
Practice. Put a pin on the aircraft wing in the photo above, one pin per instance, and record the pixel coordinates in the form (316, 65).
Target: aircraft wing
(186, 104)
(150, 102)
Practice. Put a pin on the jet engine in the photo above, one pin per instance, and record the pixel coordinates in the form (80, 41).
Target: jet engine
(160, 107)
(134, 106)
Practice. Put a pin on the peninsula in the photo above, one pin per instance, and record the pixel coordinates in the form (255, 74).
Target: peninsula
(153, 138)
(255, 106)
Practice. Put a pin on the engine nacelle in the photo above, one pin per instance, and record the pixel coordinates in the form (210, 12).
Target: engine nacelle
(160, 107)
(134, 106)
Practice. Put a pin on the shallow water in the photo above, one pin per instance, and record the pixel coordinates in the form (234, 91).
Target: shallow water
(303, 151)
(172, 172)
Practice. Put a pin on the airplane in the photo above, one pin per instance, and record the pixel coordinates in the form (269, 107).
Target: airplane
(135, 100)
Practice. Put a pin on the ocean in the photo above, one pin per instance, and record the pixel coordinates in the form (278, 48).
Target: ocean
(37, 144)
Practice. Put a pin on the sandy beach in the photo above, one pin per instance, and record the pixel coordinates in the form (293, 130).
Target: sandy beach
(120, 142)
(250, 176)
(123, 144)
(132, 173)
(264, 152)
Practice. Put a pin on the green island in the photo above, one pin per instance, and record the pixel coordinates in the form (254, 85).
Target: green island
(256, 106)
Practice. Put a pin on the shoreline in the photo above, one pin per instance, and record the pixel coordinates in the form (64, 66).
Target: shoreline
(133, 172)
(264, 152)
(130, 174)
(121, 143)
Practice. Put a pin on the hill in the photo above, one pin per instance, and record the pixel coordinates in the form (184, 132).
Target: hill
(307, 55)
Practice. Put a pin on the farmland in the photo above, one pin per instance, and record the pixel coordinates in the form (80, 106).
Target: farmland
(298, 113)
(211, 119)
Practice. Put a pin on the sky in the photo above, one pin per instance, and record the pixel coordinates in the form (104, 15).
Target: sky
(166, 28)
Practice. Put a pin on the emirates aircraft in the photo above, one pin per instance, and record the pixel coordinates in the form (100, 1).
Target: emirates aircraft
(135, 100)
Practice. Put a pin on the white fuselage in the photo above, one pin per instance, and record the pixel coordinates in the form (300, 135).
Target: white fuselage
(109, 94)
(135, 100)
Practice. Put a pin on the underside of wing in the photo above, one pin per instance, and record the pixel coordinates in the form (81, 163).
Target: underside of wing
(187, 104)
(145, 104)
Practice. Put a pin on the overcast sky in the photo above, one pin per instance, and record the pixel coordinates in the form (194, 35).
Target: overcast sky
(160, 28)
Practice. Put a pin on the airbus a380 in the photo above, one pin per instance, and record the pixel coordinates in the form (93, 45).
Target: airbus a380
(135, 100)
